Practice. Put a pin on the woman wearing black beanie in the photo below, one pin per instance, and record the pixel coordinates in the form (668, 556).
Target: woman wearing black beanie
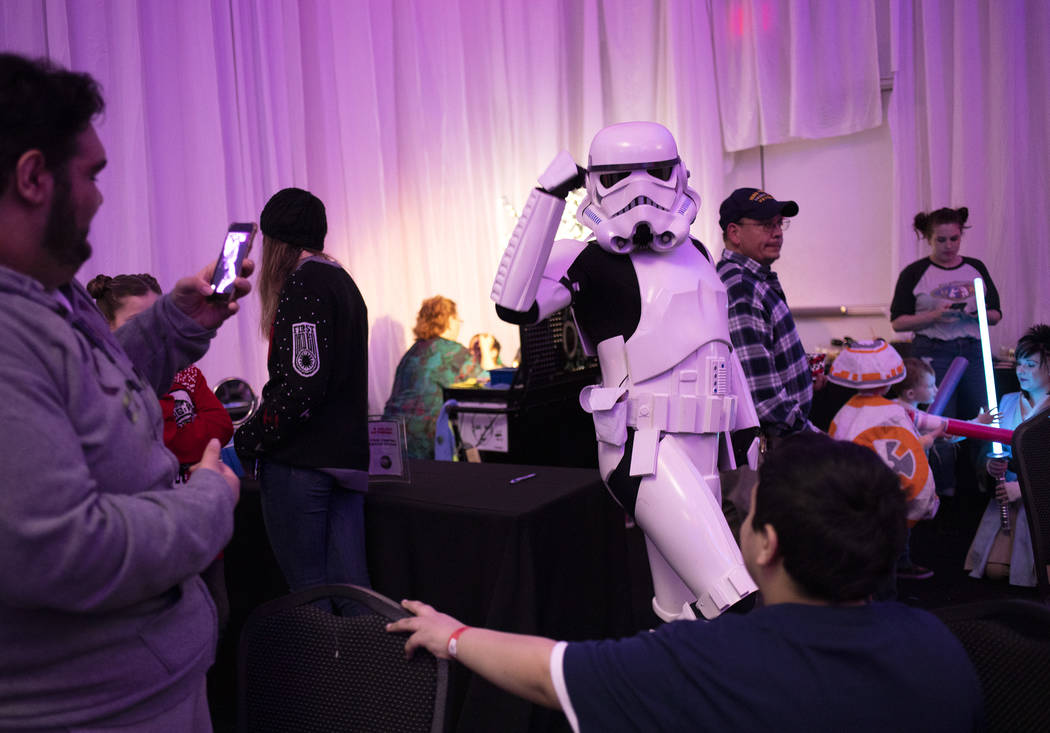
(310, 436)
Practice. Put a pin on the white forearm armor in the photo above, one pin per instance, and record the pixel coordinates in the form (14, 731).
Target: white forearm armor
(521, 269)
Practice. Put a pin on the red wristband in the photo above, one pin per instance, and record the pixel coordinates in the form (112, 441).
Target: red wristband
(451, 646)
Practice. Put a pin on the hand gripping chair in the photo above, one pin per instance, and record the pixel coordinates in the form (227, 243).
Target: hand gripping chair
(302, 669)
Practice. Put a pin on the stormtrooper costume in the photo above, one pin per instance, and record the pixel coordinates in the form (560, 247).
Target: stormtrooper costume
(647, 300)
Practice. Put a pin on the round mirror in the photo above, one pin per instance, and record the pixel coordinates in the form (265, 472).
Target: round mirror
(237, 397)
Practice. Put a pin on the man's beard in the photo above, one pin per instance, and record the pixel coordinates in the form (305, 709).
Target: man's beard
(66, 244)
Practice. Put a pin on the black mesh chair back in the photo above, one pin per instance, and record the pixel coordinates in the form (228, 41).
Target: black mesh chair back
(1008, 642)
(304, 670)
(1031, 450)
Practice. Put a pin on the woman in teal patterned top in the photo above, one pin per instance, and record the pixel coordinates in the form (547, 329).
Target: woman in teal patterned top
(436, 360)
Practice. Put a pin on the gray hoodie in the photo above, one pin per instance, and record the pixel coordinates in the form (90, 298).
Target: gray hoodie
(103, 617)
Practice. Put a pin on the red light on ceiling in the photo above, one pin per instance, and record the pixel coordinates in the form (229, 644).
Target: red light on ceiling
(739, 20)
(766, 13)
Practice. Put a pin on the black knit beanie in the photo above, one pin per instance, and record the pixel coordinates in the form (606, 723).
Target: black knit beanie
(295, 217)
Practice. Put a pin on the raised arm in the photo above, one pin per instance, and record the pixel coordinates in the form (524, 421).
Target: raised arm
(177, 329)
(525, 289)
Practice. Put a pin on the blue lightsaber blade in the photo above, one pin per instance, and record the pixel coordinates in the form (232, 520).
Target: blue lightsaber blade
(989, 386)
(986, 355)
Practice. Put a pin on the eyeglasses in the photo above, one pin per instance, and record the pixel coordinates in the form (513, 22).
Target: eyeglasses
(769, 226)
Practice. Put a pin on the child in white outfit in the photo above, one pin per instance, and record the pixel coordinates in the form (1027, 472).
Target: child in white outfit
(872, 420)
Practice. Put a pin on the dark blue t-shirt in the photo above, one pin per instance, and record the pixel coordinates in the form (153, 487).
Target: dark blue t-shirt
(787, 667)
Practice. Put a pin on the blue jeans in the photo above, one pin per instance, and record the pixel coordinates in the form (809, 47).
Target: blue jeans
(316, 527)
(969, 396)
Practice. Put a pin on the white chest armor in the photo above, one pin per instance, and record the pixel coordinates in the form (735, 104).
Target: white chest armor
(676, 368)
(684, 306)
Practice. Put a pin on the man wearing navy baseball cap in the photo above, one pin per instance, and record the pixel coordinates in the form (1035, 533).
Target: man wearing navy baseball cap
(757, 221)
(760, 323)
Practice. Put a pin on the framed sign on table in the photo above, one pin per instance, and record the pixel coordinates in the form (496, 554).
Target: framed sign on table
(388, 451)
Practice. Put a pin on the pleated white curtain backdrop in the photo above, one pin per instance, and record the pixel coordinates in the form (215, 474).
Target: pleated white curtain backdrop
(419, 121)
(969, 116)
(796, 69)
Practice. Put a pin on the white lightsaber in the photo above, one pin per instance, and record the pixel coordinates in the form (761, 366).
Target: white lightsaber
(989, 386)
(986, 356)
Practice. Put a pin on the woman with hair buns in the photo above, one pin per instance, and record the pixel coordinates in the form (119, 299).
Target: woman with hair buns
(310, 434)
(436, 360)
(934, 298)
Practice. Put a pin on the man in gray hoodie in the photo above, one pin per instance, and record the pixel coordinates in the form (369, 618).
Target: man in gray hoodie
(104, 621)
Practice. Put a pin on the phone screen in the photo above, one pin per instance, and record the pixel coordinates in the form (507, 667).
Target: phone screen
(234, 250)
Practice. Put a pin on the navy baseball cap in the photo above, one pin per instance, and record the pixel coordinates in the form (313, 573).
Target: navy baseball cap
(751, 203)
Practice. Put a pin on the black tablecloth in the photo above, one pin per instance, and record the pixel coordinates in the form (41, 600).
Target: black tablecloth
(548, 555)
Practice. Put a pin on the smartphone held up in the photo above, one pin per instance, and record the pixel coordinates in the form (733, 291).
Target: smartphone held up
(236, 247)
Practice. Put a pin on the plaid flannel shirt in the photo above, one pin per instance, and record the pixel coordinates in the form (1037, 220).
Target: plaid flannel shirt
(767, 344)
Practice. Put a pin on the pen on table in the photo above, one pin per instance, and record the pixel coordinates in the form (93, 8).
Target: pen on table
(518, 479)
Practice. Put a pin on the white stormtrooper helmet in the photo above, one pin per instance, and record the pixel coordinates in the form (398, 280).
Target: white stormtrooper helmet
(636, 189)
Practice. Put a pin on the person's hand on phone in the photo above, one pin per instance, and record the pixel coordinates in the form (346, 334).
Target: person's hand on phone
(212, 461)
(943, 313)
(191, 296)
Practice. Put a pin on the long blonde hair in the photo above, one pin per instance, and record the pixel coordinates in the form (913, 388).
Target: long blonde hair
(279, 261)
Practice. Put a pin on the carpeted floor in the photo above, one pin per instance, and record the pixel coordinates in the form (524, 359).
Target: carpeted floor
(941, 545)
